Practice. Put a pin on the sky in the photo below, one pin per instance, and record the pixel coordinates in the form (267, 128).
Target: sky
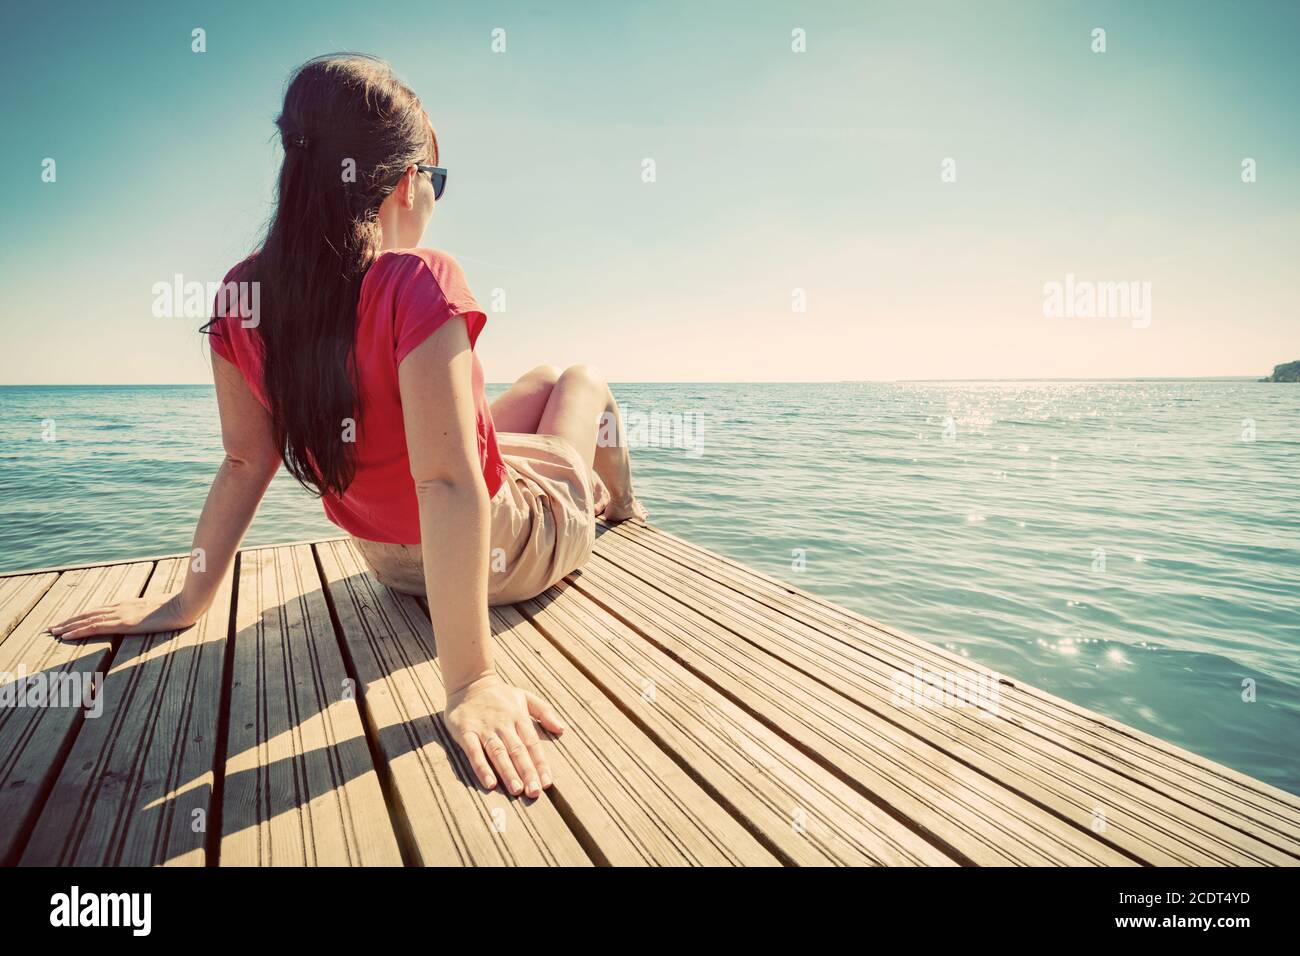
(895, 201)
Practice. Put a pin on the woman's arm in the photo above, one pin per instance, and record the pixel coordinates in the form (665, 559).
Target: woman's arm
(250, 464)
(488, 718)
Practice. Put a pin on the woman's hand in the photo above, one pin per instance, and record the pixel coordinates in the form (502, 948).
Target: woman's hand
(137, 616)
(493, 721)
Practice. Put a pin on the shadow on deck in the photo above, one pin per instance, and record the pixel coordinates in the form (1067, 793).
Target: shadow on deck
(716, 717)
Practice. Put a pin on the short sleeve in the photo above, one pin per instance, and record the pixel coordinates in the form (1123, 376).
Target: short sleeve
(229, 303)
(431, 289)
(218, 341)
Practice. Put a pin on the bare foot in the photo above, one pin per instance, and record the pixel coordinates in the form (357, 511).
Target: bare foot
(624, 509)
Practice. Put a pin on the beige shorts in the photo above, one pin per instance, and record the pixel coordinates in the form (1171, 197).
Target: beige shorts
(543, 523)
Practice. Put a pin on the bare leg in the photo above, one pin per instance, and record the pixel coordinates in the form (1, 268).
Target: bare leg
(519, 408)
(583, 411)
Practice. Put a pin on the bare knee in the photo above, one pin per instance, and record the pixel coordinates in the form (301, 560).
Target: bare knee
(545, 374)
(587, 375)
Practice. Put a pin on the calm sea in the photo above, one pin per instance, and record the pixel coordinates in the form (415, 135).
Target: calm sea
(1130, 546)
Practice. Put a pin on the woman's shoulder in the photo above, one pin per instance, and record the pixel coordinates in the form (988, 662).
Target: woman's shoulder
(418, 275)
(404, 264)
(236, 298)
(416, 290)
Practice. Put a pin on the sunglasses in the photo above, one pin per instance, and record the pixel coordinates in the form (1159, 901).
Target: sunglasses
(437, 176)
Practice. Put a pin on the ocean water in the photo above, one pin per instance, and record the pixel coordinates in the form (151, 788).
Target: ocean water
(1130, 546)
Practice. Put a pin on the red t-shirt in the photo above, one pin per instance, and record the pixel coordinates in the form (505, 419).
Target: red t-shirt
(405, 297)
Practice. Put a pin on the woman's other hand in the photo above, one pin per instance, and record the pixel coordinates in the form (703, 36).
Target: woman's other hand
(137, 616)
(493, 724)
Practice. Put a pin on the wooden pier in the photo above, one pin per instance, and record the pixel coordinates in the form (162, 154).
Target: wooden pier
(716, 716)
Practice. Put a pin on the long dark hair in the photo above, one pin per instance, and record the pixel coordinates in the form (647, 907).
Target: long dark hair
(349, 129)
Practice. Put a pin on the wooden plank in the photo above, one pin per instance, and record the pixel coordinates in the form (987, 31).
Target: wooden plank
(1151, 769)
(635, 805)
(137, 788)
(806, 814)
(717, 716)
(36, 734)
(18, 595)
(300, 788)
(151, 558)
(1137, 820)
(939, 795)
(445, 815)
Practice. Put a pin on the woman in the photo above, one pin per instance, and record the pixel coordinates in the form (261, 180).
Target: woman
(354, 364)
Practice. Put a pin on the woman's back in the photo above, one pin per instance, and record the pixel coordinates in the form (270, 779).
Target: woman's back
(406, 295)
